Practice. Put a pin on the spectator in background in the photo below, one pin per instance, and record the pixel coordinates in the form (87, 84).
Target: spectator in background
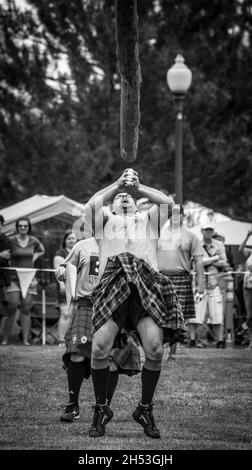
(25, 250)
(225, 279)
(69, 240)
(247, 283)
(214, 261)
(176, 249)
(4, 263)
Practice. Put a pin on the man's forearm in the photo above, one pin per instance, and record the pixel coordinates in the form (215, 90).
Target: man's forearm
(199, 267)
(243, 245)
(37, 255)
(220, 264)
(209, 260)
(104, 195)
(154, 195)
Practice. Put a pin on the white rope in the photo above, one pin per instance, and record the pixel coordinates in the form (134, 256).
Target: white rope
(224, 273)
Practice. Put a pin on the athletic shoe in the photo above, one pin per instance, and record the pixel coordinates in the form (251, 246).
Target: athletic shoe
(143, 415)
(71, 413)
(220, 345)
(192, 343)
(102, 415)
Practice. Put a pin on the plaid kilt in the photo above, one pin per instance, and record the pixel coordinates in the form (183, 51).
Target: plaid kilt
(156, 292)
(79, 341)
(79, 334)
(182, 284)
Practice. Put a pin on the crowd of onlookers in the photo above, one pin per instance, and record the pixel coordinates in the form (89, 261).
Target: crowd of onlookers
(221, 289)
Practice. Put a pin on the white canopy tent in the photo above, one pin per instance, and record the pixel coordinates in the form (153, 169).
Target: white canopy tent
(233, 231)
(196, 213)
(41, 207)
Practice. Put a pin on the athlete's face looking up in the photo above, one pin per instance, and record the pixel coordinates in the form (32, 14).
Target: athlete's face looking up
(124, 202)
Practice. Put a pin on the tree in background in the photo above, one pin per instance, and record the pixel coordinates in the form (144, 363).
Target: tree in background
(65, 138)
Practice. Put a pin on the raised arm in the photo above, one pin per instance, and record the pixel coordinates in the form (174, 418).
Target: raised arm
(94, 209)
(154, 195)
(246, 251)
(72, 257)
(163, 204)
(199, 268)
(39, 250)
(107, 194)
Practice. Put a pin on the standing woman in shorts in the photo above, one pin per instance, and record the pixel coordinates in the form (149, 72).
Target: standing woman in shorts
(25, 250)
(68, 242)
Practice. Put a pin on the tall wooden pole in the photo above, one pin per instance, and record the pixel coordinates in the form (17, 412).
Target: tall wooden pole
(129, 67)
(178, 167)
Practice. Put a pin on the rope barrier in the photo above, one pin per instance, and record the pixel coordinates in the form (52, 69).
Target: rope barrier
(224, 273)
(30, 269)
(43, 315)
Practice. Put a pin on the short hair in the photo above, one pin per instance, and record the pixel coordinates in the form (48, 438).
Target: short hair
(1, 219)
(27, 220)
(66, 234)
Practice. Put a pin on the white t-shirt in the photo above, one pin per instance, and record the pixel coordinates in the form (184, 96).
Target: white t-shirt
(176, 250)
(129, 233)
(85, 256)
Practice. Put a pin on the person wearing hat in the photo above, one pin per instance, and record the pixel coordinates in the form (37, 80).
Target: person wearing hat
(214, 260)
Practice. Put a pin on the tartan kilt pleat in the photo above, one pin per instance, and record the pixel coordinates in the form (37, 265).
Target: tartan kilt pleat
(79, 335)
(182, 285)
(157, 294)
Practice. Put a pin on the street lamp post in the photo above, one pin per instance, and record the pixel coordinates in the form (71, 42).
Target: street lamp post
(179, 78)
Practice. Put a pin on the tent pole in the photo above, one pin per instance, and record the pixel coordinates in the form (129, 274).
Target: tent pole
(43, 317)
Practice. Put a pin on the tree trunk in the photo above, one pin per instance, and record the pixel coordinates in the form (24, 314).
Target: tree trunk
(129, 67)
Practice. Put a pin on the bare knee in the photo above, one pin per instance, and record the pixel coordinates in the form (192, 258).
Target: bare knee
(13, 304)
(64, 313)
(100, 350)
(26, 305)
(155, 351)
(25, 310)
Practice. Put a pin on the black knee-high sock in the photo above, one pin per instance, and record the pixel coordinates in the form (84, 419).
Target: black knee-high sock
(113, 381)
(149, 382)
(75, 375)
(100, 379)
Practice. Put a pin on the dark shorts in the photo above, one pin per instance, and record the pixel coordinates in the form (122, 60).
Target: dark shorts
(130, 312)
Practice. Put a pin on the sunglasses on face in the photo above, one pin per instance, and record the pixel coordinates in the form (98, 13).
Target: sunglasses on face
(23, 226)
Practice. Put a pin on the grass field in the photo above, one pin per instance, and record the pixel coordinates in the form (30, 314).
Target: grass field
(203, 401)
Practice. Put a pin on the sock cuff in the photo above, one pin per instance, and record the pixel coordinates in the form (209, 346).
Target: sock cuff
(152, 366)
(97, 364)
